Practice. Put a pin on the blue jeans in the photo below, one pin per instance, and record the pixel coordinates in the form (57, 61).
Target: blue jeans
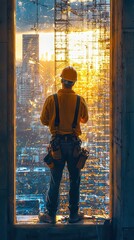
(67, 147)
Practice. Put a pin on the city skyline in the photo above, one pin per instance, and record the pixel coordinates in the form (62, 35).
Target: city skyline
(87, 49)
(46, 45)
(31, 137)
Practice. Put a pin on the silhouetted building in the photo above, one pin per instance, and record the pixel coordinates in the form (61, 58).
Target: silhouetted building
(30, 69)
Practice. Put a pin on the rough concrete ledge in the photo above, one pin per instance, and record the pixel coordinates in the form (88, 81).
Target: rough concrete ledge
(61, 232)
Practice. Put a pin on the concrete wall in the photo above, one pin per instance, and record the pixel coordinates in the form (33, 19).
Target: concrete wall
(122, 72)
(6, 114)
(128, 120)
(3, 120)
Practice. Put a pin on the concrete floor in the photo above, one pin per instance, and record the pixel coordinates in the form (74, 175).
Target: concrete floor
(27, 227)
(87, 220)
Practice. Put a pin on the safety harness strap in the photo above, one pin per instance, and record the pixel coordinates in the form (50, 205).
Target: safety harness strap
(76, 112)
(57, 119)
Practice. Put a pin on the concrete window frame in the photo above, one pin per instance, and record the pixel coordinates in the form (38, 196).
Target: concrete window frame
(9, 229)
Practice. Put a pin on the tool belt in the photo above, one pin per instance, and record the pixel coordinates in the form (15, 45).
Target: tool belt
(54, 153)
(49, 160)
(83, 156)
(77, 147)
(54, 149)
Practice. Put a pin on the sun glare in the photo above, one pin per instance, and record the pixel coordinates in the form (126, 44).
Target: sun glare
(46, 46)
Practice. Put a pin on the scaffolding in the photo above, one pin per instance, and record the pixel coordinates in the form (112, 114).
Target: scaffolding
(61, 19)
(82, 40)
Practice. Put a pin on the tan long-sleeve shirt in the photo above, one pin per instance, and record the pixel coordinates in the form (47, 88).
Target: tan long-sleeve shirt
(67, 104)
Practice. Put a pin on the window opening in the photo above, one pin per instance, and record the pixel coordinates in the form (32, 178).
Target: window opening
(49, 36)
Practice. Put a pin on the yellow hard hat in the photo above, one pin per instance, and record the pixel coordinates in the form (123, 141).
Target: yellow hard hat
(69, 74)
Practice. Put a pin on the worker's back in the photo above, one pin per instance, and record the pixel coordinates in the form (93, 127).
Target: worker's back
(67, 104)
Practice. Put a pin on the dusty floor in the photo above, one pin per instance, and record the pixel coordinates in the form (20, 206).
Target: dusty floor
(33, 219)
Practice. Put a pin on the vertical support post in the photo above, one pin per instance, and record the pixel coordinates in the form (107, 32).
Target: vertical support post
(122, 74)
(7, 52)
(61, 29)
(11, 109)
(3, 120)
(117, 110)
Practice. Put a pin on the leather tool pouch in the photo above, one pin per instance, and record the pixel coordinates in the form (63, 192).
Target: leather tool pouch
(77, 148)
(49, 160)
(55, 148)
(82, 158)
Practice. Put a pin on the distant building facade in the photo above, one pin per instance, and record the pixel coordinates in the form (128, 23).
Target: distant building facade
(29, 81)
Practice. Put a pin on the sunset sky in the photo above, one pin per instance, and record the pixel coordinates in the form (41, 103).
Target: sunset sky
(46, 45)
(26, 20)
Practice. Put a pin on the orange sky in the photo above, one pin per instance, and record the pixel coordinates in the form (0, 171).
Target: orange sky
(80, 45)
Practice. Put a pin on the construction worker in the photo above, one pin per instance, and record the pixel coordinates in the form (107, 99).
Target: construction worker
(67, 136)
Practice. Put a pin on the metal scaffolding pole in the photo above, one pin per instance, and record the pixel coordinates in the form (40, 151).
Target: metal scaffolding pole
(61, 29)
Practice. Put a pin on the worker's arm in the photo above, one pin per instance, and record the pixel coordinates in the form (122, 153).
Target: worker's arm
(84, 111)
(45, 113)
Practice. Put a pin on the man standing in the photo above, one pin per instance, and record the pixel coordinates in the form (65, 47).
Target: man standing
(63, 119)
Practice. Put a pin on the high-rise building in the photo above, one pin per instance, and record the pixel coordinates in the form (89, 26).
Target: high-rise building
(30, 69)
(31, 49)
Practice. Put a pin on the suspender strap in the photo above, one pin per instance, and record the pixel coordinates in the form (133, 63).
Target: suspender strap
(76, 112)
(57, 119)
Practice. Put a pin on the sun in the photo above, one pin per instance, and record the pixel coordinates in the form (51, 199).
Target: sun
(46, 46)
